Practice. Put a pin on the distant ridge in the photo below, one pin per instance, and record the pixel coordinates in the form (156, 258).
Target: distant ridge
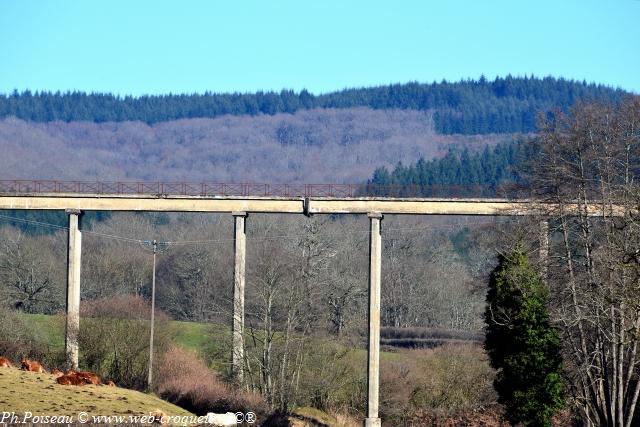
(503, 105)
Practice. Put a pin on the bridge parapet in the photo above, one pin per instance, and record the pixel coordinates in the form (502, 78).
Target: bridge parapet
(209, 189)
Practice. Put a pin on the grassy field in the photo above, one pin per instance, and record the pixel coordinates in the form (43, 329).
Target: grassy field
(211, 339)
(448, 378)
(190, 335)
(51, 328)
(22, 392)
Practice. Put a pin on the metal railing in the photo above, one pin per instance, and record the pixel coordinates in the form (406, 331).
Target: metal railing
(206, 189)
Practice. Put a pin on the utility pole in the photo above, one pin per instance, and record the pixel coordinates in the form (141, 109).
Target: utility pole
(153, 313)
(154, 248)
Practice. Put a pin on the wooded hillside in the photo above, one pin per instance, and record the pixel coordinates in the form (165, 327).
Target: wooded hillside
(314, 146)
(504, 105)
(459, 173)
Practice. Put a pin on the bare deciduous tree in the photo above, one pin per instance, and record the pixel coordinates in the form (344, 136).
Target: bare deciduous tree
(591, 158)
(31, 271)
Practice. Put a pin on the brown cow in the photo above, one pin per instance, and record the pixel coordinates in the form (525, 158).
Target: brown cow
(5, 363)
(159, 417)
(57, 372)
(32, 366)
(89, 376)
(71, 379)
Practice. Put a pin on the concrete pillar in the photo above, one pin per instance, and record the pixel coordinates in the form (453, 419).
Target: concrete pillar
(73, 288)
(375, 276)
(240, 248)
(544, 248)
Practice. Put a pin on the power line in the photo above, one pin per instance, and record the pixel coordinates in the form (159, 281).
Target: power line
(111, 236)
(32, 222)
(62, 227)
(227, 240)
(340, 233)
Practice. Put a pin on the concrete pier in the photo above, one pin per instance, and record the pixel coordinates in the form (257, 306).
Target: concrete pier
(375, 276)
(240, 247)
(73, 288)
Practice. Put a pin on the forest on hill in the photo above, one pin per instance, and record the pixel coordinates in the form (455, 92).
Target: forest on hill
(503, 105)
(461, 172)
(308, 147)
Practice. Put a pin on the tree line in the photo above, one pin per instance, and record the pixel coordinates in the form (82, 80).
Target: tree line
(505, 105)
(459, 173)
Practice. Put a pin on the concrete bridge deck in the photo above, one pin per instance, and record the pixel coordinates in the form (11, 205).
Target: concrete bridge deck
(289, 205)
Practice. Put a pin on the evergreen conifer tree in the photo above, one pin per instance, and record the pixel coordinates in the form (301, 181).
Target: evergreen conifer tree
(522, 344)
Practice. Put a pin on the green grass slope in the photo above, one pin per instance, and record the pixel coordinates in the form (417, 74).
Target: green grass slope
(211, 338)
(22, 392)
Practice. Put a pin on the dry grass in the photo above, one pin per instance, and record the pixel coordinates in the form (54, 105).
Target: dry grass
(315, 416)
(312, 417)
(446, 381)
(185, 380)
(22, 391)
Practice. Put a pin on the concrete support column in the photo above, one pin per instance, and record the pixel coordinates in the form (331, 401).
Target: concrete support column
(375, 277)
(240, 248)
(73, 288)
(544, 248)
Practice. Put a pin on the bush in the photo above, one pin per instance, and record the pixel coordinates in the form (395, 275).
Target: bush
(446, 380)
(426, 337)
(332, 377)
(185, 380)
(388, 332)
(20, 338)
(114, 339)
(391, 343)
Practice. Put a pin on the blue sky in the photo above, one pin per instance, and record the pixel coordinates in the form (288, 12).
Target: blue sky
(150, 47)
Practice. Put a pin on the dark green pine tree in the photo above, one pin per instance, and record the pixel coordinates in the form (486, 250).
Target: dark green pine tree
(522, 344)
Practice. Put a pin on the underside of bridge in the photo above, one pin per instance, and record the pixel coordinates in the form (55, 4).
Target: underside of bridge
(241, 209)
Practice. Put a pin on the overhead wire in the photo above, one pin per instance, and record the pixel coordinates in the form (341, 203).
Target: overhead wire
(340, 233)
(62, 227)
(32, 222)
(249, 238)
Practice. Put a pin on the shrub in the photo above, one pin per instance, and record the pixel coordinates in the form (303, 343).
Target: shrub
(447, 380)
(426, 337)
(332, 377)
(388, 332)
(391, 343)
(114, 339)
(185, 380)
(20, 338)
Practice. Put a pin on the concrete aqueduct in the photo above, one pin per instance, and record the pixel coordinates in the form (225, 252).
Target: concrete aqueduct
(73, 204)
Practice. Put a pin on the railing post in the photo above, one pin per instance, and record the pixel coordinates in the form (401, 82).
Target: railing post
(73, 289)
(375, 277)
(239, 243)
